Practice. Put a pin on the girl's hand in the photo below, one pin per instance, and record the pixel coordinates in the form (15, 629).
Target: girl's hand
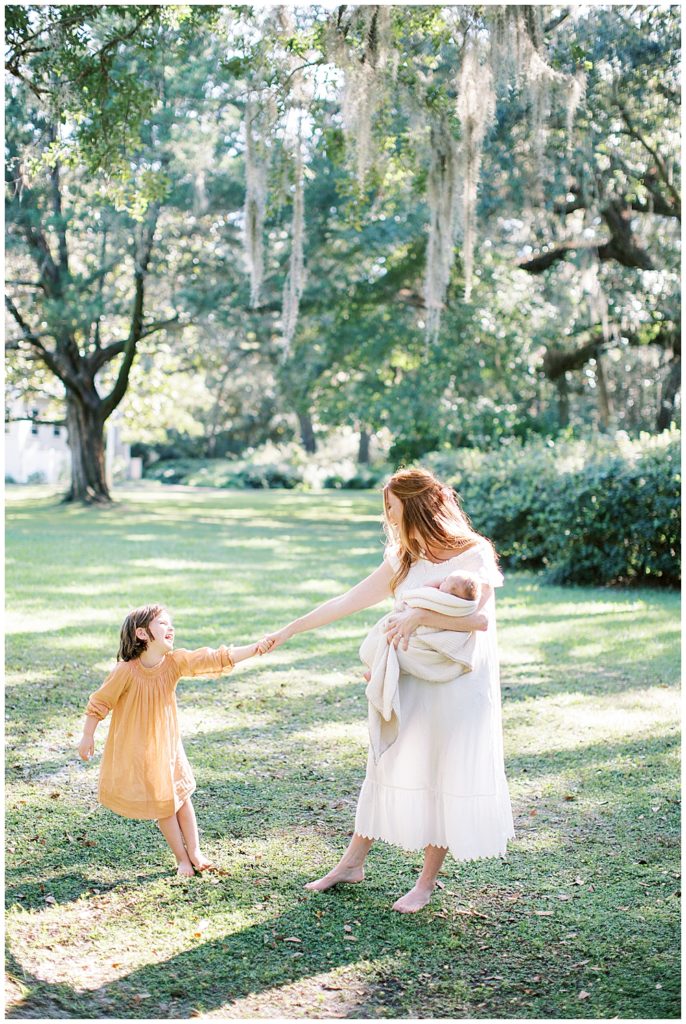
(86, 748)
(263, 645)
(401, 625)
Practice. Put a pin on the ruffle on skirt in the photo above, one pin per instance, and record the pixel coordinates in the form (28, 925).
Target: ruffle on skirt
(471, 827)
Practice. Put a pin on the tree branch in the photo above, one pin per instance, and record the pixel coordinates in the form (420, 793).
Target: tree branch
(50, 359)
(115, 348)
(142, 259)
(659, 162)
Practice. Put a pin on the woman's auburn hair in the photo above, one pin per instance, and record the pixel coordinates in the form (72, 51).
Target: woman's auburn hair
(432, 516)
(131, 646)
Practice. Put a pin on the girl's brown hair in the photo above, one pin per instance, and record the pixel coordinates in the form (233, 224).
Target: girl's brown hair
(130, 646)
(432, 520)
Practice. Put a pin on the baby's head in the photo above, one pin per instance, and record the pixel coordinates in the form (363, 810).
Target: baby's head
(142, 626)
(462, 584)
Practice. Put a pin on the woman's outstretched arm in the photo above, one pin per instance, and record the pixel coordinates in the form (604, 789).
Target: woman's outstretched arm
(375, 588)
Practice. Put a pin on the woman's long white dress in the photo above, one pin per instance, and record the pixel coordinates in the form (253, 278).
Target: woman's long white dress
(442, 783)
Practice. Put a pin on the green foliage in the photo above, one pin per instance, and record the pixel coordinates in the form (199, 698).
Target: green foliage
(236, 474)
(602, 511)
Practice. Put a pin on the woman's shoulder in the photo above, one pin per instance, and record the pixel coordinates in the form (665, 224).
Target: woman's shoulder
(481, 558)
(392, 556)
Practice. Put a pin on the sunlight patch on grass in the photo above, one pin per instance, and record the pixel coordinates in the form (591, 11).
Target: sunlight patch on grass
(59, 618)
(333, 735)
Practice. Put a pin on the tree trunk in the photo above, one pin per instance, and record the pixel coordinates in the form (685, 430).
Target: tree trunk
(85, 435)
(604, 400)
(363, 449)
(562, 400)
(309, 441)
(669, 392)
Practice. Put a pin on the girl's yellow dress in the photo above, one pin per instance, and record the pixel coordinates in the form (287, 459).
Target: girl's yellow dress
(145, 772)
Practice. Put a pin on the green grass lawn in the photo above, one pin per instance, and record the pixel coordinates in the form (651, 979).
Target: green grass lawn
(580, 920)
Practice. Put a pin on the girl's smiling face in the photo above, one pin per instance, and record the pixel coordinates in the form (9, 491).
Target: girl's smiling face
(162, 632)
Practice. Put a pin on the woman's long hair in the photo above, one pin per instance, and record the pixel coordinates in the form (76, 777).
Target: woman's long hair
(130, 646)
(431, 522)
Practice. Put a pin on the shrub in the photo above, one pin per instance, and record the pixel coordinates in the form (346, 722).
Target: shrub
(606, 511)
(236, 473)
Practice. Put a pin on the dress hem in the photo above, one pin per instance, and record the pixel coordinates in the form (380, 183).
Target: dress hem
(440, 846)
(112, 804)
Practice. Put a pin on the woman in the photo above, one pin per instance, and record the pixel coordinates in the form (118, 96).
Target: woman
(441, 786)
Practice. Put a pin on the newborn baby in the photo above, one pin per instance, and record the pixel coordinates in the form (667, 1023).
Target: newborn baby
(431, 653)
(460, 584)
(465, 585)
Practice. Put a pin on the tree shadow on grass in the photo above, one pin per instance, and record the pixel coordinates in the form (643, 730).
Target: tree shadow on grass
(256, 960)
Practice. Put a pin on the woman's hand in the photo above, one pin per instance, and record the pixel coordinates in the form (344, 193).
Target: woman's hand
(276, 639)
(401, 625)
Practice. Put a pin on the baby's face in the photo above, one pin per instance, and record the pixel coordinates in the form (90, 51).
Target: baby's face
(454, 587)
(457, 586)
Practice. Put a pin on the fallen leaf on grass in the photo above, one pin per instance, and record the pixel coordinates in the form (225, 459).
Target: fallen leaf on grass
(50, 899)
(440, 885)
(55, 795)
(583, 994)
(350, 938)
(200, 927)
(569, 796)
(293, 939)
(347, 928)
(563, 896)
(544, 913)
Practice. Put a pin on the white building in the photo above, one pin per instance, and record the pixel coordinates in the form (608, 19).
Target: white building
(37, 451)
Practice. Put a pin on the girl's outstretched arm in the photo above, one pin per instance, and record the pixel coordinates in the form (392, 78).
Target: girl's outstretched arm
(370, 591)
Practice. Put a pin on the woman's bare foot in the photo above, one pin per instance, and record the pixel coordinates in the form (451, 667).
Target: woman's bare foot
(340, 874)
(185, 869)
(201, 863)
(414, 900)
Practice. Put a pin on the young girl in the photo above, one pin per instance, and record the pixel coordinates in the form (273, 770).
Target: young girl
(144, 771)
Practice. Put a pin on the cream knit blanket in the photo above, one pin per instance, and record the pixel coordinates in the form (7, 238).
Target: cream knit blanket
(437, 655)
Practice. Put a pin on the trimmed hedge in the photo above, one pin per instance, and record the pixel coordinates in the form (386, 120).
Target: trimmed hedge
(225, 473)
(587, 512)
(606, 511)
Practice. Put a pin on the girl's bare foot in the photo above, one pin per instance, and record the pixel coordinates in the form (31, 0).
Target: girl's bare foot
(340, 874)
(185, 869)
(414, 900)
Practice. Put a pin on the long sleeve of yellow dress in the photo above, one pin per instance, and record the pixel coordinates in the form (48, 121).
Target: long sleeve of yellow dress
(145, 772)
(205, 661)
(103, 700)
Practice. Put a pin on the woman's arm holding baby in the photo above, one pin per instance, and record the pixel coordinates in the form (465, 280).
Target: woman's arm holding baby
(370, 591)
(401, 625)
